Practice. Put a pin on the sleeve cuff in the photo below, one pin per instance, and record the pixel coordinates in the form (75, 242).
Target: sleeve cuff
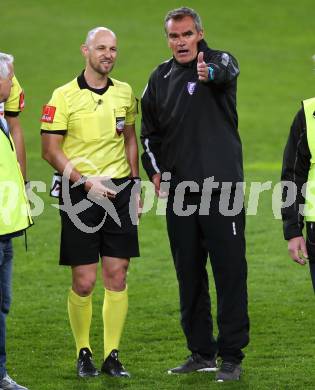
(60, 132)
(291, 232)
(150, 171)
(12, 113)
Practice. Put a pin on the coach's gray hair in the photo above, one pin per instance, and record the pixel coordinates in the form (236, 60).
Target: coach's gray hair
(180, 13)
(91, 34)
(5, 61)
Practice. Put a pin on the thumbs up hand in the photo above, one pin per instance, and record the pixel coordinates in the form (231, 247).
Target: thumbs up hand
(200, 57)
(202, 68)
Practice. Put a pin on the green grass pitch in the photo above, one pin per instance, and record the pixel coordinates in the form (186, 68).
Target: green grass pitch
(274, 43)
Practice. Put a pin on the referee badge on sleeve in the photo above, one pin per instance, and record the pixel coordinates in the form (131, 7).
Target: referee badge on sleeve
(48, 114)
(21, 101)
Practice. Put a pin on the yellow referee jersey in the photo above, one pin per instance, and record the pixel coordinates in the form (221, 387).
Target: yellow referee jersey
(15, 102)
(92, 125)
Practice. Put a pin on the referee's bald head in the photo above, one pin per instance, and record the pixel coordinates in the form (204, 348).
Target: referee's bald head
(91, 34)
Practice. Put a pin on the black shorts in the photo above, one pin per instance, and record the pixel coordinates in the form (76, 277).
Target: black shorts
(93, 232)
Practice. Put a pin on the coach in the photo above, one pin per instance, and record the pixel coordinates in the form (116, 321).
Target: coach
(189, 128)
(88, 125)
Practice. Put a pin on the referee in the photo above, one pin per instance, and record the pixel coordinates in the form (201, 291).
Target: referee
(88, 125)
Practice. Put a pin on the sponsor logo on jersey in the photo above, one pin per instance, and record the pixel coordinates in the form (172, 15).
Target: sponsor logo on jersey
(21, 101)
(48, 114)
(191, 87)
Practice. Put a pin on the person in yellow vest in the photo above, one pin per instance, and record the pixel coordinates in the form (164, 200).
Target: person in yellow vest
(15, 214)
(11, 110)
(298, 177)
(88, 136)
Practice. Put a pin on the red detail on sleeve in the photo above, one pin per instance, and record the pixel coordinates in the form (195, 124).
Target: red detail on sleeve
(48, 114)
(22, 101)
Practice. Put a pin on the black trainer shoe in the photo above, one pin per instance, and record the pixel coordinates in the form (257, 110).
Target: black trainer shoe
(228, 372)
(7, 383)
(112, 366)
(195, 362)
(85, 365)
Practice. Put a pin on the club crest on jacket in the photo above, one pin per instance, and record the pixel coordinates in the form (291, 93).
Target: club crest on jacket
(191, 86)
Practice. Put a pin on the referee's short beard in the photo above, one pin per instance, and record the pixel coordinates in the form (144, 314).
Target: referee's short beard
(97, 68)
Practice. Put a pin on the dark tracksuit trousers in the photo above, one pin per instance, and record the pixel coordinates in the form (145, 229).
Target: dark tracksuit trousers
(310, 246)
(192, 239)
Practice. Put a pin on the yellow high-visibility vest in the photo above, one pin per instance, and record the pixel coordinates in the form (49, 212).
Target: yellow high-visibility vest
(309, 110)
(15, 213)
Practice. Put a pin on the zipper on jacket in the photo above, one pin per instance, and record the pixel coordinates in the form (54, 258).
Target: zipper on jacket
(8, 137)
